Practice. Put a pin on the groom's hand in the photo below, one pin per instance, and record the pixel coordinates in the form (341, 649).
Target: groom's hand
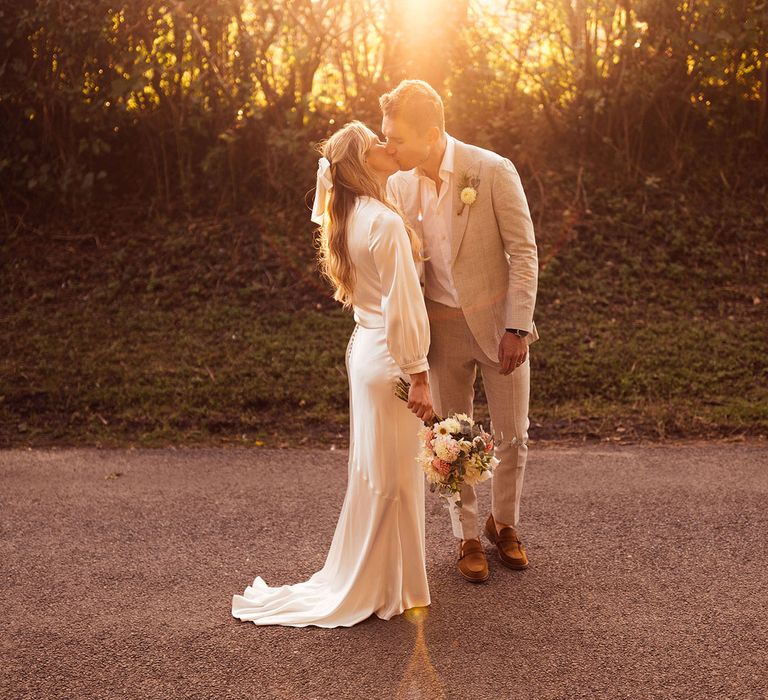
(512, 352)
(420, 396)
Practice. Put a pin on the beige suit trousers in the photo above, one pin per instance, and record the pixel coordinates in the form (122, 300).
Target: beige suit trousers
(454, 357)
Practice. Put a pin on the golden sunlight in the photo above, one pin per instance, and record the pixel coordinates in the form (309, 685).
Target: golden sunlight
(420, 679)
(419, 13)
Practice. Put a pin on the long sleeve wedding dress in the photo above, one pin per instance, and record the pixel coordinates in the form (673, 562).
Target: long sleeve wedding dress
(376, 561)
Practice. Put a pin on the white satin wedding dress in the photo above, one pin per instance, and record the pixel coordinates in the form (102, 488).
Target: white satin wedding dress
(376, 561)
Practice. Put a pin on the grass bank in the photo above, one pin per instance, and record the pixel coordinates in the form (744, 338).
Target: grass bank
(651, 310)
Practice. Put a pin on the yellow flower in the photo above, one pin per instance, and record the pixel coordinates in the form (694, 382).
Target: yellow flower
(468, 195)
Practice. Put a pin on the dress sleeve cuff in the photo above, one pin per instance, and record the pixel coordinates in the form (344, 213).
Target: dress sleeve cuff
(415, 367)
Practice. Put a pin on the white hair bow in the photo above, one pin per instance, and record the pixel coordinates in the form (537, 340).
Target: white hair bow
(323, 186)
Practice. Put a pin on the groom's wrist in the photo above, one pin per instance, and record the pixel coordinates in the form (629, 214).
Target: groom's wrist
(516, 331)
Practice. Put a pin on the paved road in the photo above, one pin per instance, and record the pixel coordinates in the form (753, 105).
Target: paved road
(647, 580)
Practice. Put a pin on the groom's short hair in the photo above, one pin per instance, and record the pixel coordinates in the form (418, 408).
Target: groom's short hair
(417, 103)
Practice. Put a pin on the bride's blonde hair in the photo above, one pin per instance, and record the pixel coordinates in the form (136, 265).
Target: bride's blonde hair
(352, 178)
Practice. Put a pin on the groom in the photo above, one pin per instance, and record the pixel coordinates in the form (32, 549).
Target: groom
(480, 278)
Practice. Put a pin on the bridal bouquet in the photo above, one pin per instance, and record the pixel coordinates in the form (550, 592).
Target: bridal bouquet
(455, 451)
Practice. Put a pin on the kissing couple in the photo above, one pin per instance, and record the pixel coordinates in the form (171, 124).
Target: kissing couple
(418, 207)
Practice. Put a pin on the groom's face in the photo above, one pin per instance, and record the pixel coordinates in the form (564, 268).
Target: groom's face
(405, 144)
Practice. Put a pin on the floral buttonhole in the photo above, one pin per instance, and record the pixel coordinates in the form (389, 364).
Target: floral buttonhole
(468, 185)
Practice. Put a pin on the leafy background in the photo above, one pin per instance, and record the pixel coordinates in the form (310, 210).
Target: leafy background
(158, 275)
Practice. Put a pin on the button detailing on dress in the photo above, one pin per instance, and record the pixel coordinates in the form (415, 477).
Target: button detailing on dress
(351, 339)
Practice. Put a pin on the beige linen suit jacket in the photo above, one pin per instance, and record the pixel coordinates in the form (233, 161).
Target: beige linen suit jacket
(494, 260)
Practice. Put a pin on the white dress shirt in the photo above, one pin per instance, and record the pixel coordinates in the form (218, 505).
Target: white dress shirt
(436, 216)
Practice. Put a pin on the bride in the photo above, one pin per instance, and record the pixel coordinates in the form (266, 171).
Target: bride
(376, 561)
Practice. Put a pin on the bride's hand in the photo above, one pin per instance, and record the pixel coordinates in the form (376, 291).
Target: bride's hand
(420, 396)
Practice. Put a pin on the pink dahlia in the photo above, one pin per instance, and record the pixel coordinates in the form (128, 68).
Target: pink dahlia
(441, 467)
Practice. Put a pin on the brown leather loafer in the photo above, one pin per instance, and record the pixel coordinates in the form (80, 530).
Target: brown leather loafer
(472, 563)
(511, 549)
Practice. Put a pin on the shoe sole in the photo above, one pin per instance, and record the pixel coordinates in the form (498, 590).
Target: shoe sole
(509, 565)
(475, 580)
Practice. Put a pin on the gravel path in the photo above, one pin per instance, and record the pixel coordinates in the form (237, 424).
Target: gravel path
(647, 580)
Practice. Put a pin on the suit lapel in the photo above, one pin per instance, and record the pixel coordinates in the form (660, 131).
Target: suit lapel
(462, 166)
